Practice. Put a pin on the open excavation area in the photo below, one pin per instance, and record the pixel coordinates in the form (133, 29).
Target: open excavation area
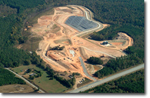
(65, 50)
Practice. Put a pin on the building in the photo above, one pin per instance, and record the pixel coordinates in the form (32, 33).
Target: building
(105, 43)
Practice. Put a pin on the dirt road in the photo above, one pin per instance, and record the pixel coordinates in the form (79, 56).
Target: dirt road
(85, 70)
(99, 52)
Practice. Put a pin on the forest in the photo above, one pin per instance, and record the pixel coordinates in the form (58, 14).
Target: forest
(122, 15)
(133, 83)
(7, 78)
(95, 60)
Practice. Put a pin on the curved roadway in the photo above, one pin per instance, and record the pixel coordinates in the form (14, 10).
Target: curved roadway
(84, 69)
(110, 78)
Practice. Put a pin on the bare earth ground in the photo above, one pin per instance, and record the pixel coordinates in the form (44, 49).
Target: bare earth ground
(44, 28)
(122, 42)
(56, 33)
(16, 88)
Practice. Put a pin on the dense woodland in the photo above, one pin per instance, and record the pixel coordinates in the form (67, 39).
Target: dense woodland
(122, 15)
(133, 83)
(95, 60)
(7, 78)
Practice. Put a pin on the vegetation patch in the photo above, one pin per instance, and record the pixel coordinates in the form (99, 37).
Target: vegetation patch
(49, 85)
(95, 60)
(34, 39)
(31, 44)
(6, 10)
(86, 81)
(33, 20)
(118, 64)
(57, 48)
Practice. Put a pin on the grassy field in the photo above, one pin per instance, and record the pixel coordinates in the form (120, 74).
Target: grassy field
(16, 88)
(33, 20)
(33, 40)
(50, 86)
(18, 69)
(32, 44)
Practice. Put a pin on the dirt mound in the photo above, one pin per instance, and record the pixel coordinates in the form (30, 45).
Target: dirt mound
(52, 35)
(53, 56)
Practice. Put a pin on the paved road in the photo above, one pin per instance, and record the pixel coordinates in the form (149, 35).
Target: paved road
(110, 78)
(84, 69)
(25, 80)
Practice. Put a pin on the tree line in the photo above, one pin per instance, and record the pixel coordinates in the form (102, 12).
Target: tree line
(118, 64)
(133, 83)
(57, 48)
(68, 83)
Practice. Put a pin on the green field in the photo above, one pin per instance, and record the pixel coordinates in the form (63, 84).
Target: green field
(18, 69)
(34, 19)
(32, 44)
(50, 86)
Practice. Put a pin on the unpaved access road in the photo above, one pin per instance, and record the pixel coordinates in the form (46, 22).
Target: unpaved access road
(99, 52)
(25, 80)
(84, 69)
(110, 78)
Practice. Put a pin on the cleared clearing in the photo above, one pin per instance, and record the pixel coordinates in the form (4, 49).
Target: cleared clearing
(16, 88)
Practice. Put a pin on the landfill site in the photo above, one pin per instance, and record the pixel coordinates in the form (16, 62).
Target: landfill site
(63, 47)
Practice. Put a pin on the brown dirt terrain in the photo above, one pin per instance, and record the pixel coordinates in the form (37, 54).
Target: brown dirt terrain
(117, 43)
(122, 42)
(96, 47)
(59, 17)
(56, 33)
(16, 88)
